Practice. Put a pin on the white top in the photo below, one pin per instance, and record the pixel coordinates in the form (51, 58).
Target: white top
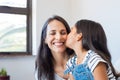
(57, 77)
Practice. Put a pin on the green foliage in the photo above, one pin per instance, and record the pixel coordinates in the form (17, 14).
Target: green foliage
(3, 72)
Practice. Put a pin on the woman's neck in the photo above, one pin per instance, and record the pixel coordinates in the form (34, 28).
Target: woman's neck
(60, 58)
(60, 64)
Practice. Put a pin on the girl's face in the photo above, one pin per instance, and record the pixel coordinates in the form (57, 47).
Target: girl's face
(71, 38)
(56, 36)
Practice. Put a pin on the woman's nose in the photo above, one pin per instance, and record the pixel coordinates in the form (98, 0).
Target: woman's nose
(58, 36)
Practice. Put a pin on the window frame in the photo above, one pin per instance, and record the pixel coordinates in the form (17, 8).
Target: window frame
(22, 11)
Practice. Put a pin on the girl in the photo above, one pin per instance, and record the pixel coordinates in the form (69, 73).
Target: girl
(87, 38)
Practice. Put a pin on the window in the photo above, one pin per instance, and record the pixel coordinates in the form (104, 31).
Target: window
(15, 26)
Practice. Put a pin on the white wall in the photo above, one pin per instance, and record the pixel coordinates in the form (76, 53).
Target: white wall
(107, 12)
(19, 67)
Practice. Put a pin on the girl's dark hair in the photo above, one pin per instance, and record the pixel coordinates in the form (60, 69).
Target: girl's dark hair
(94, 38)
(44, 60)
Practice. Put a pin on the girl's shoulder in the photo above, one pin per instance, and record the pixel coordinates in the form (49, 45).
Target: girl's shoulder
(94, 59)
(71, 60)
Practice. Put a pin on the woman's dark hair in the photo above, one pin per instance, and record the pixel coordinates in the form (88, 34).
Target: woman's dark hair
(94, 38)
(44, 60)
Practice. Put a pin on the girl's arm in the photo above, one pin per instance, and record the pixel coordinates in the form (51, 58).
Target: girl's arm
(100, 72)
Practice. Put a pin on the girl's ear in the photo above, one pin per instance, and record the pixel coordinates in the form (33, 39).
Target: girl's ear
(79, 36)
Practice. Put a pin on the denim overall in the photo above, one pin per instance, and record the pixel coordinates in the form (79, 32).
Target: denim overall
(80, 72)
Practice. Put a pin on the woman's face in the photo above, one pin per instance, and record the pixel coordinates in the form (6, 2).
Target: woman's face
(56, 36)
(71, 38)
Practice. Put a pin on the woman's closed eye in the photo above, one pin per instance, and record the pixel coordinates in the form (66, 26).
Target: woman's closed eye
(52, 33)
(63, 32)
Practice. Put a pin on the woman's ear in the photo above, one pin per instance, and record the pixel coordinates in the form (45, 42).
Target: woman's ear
(79, 36)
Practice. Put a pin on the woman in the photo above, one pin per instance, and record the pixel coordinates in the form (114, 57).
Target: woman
(87, 38)
(53, 54)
